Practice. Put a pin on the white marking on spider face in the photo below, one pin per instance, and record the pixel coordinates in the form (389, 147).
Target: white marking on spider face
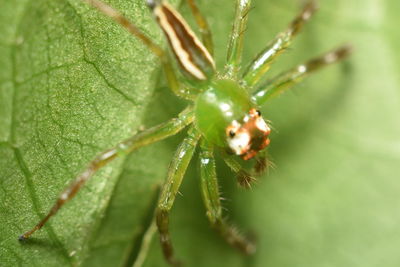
(239, 143)
(235, 124)
(262, 125)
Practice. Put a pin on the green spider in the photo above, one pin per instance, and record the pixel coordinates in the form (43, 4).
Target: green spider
(222, 113)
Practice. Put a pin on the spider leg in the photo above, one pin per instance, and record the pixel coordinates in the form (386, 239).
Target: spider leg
(262, 63)
(244, 178)
(263, 163)
(144, 138)
(203, 25)
(235, 46)
(176, 171)
(165, 59)
(211, 198)
(194, 60)
(145, 245)
(287, 79)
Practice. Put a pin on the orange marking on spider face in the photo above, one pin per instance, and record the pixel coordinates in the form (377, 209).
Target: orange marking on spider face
(248, 138)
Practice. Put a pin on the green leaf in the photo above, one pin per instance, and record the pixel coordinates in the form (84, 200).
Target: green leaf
(73, 83)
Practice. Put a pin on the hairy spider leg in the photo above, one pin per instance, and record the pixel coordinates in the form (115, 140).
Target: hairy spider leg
(176, 171)
(211, 198)
(243, 177)
(201, 21)
(235, 46)
(289, 78)
(263, 163)
(144, 138)
(262, 63)
(246, 178)
(165, 59)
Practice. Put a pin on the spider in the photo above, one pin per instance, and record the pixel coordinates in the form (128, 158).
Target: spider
(223, 111)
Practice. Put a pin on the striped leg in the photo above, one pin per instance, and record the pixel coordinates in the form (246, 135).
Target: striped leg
(235, 47)
(210, 192)
(176, 172)
(287, 79)
(261, 64)
(173, 82)
(203, 25)
(149, 136)
(193, 57)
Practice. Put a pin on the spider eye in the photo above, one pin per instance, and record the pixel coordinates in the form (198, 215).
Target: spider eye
(258, 112)
(232, 133)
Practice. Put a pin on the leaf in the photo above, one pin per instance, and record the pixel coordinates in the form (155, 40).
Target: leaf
(73, 84)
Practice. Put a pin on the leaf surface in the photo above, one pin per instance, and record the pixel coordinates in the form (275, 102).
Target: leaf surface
(73, 83)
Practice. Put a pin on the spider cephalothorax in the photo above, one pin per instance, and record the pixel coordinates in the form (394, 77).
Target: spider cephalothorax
(248, 137)
(228, 118)
(222, 112)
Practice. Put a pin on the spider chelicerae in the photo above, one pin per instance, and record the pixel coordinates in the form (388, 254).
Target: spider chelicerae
(222, 113)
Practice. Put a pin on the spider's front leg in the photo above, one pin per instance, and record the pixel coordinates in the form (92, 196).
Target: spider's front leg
(235, 47)
(289, 78)
(144, 138)
(211, 197)
(175, 175)
(262, 63)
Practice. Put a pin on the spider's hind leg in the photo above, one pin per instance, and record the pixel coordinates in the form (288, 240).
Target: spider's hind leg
(211, 198)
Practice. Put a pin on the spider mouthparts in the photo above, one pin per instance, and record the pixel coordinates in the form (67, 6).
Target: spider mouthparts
(245, 179)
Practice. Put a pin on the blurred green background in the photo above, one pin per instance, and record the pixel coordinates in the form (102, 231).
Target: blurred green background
(72, 83)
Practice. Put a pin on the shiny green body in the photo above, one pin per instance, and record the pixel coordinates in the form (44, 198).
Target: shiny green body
(222, 102)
